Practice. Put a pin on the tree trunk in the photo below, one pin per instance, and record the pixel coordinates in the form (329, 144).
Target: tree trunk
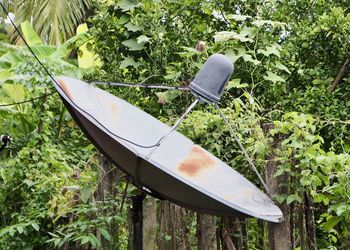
(108, 176)
(244, 234)
(206, 228)
(150, 223)
(279, 234)
(261, 235)
(173, 228)
(233, 229)
(310, 222)
(302, 228)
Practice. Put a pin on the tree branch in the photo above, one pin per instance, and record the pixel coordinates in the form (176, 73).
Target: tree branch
(340, 75)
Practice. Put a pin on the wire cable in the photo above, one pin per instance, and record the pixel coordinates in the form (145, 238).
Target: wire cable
(135, 85)
(26, 101)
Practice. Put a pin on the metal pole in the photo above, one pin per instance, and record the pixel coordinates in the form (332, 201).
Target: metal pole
(137, 219)
(242, 148)
(188, 110)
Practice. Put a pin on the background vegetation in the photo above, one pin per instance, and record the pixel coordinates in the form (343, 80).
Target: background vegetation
(288, 100)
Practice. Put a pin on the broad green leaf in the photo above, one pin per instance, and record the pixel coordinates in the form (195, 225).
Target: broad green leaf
(236, 83)
(273, 77)
(223, 36)
(132, 27)
(9, 59)
(167, 96)
(280, 66)
(269, 50)
(43, 51)
(84, 240)
(28, 182)
(4, 74)
(19, 229)
(30, 35)
(35, 226)
(15, 91)
(260, 23)
(133, 45)
(129, 61)
(86, 58)
(239, 17)
(342, 208)
(234, 56)
(143, 39)
(74, 42)
(292, 198)
(331, 222)
(105, 234)
(127, 5)
(85, 193)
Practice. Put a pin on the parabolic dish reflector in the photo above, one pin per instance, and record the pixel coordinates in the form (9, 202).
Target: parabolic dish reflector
(178, 170)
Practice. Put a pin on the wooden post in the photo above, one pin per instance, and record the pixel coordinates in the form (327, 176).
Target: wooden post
(279, 234)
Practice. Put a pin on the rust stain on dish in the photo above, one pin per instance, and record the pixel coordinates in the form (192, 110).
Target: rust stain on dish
(65, 88)
(196, 161)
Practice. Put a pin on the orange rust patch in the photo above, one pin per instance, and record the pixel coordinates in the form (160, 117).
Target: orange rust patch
(196, 161)
(65, 88)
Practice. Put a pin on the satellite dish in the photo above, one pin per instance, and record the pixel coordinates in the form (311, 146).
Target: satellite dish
(159, 159)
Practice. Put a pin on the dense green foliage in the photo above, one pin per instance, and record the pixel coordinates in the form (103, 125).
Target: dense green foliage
(286, 56)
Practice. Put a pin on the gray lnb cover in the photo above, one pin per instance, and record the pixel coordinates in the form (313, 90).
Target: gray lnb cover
(210, 81)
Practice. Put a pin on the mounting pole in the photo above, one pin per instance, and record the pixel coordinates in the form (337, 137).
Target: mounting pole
(137, 219)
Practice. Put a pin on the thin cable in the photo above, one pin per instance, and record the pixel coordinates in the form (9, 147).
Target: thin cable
(147, 86)
(26, 101)
(242, 148)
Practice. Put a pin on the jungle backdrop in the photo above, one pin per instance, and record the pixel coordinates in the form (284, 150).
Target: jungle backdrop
(288, 100)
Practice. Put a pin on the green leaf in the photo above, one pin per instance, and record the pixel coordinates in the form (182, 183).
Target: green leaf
(280, 66)
(127, 5)
(105, 234)
(86, 58)
(292, 198)
(239, 17)
(143, 39)
(28, 182)
(15, 91)
(84, 240)
(269, 50)
(260, 23)
(4, 74)
(133, 45)
(35, 226)
(30, 35)
(129, 61)
(9, 59)
(74, 42)
(19, 229)
(342, 208)
(235, 83)
(86, 193)
(133, 27)
(223, 36)
(331, 222)
(273, 77)
(167, 96)
(167, 237)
